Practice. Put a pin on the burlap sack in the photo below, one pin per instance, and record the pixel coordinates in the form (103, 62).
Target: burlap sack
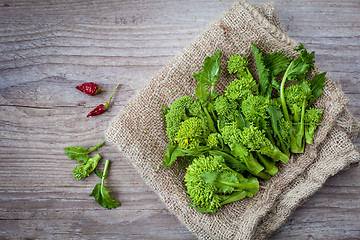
(139, 131)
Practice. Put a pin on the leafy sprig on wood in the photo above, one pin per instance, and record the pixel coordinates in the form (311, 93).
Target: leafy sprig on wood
(89, 165)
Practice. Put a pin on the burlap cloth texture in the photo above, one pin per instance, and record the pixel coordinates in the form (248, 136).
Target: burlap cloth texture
(139, 131)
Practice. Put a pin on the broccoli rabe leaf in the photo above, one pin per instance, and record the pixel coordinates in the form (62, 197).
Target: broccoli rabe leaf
(208, 76)
(264, 75)
(101, 194)
(269, 66)
(276, 63)
(172, 152)
(316, 85)
(83, 170)
(80, 154)
(210, 72)
(202, 92)
(300, 65)
(228, 181)
(281, 133)
(98, 173)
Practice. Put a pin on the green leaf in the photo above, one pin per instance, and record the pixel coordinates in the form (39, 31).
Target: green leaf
(171, 154)
(184, 162)
(300, 65)
(215, 179)
(98, 173)
(316, 85)
(202, 92)
(276, 63)
(275, 116)
(264, 75)
(210, 72)
(103, 198)
(230, 160)
(202, 210)
(101, 194)
(80, 154)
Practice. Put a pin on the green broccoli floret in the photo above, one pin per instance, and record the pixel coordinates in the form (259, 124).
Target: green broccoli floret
(209, 197)
(254, 108)
(224, 107)
(213, 140)
(192, 133)
(240, 89)
(255, 140)
(227, 112)
(180, 110)
(312, 119)
(83, 170)
(232, 137)
(275, 102)
(165, 111)
(296, 97)
(238, 65)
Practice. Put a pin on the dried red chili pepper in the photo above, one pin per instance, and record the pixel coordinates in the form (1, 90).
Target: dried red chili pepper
(102, 107)
(90, 88)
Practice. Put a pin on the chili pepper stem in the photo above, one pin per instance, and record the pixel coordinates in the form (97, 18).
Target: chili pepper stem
(107, 104)
(99, 90)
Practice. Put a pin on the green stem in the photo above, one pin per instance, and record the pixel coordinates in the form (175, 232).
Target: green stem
(234, 197)
(270, 166)
(282, 94)
(302, 118)
(254, 185)
(297, 139)
(231, 161)
(212, 90)
(104, 172)
(208, 116)
(97, 146)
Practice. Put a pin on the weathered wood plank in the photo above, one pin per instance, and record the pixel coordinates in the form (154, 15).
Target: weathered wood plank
(48, 47)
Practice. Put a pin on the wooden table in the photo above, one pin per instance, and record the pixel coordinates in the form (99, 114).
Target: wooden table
(49, 47)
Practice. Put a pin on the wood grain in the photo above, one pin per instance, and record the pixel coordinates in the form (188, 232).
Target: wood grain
(49, 47)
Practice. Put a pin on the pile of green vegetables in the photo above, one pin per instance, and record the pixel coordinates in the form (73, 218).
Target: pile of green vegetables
(231, 140)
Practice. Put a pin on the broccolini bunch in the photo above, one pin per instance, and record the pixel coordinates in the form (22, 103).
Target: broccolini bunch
(228, 141)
